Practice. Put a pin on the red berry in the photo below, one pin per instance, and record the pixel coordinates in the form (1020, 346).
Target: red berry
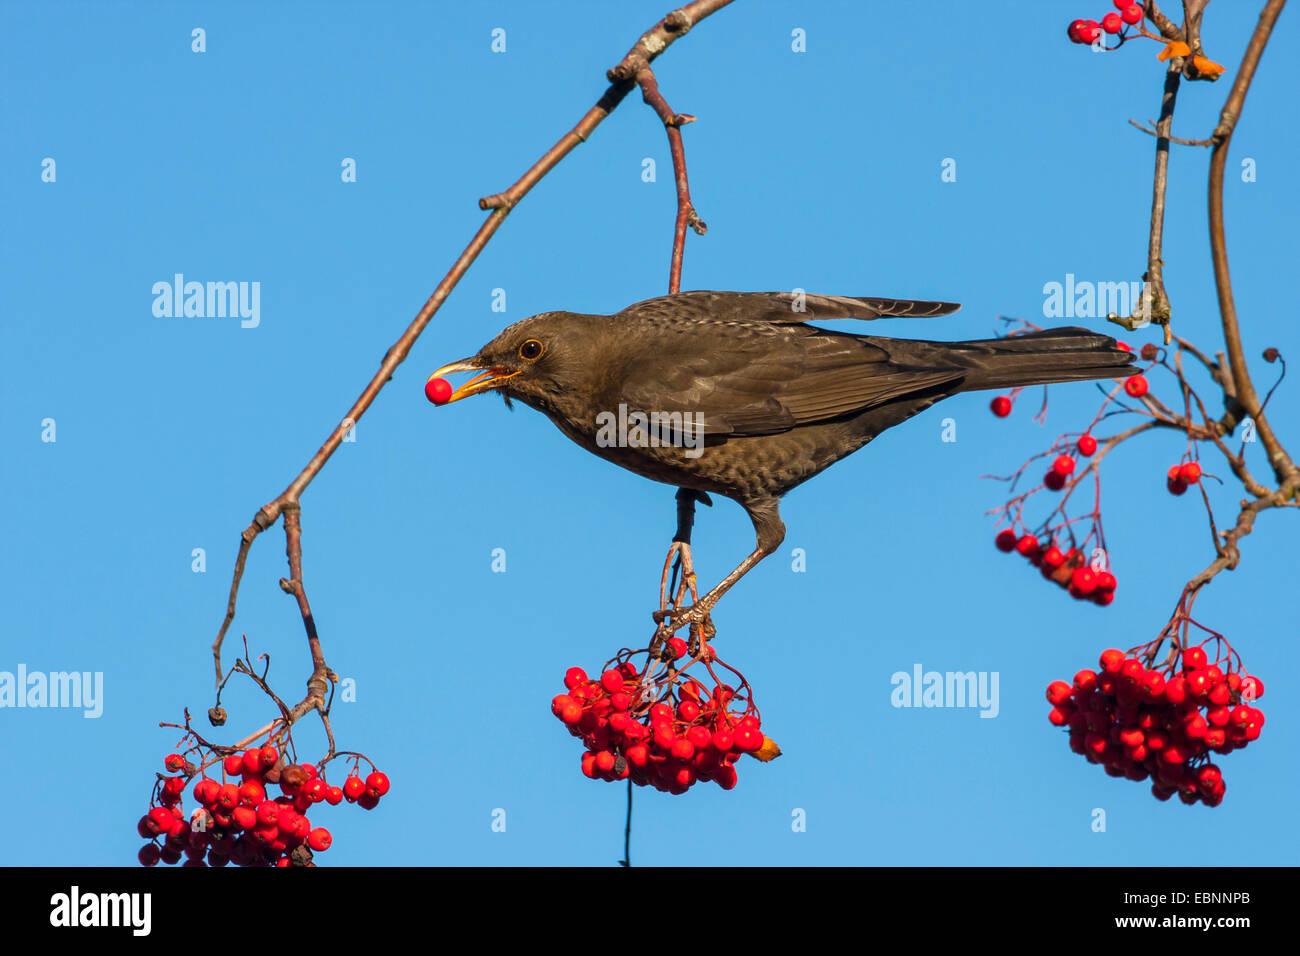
(320, 839)
(1027, 545)
(1085, 579)
(1054, 480)
(700, 738)
(1058, 692)
(245, 817)
(1053, 558)
(1087, 445)
(1063, 465)
(1006, 540)
(1219, 716)
(160, 820)
(1176, 690)
(1084, 31)
(437, 390)
(268, 812)
(1111, 23)
(270, 757)
(228, 796)
(1112, 660)
(205, 791)
(1190, 473)
(149, 855)
(1252, 688)
(1132, 13)
(1194, 658)
(353, 787)
(251, 761)
(1176, 486)
(1198, 683)
(612, 681)
(377, 783)
(315, 790)
(688, 711)
(677, 647)
(1137, 386)
(1001, 405)
(252, 793)
(234, 764)
(1195, 726)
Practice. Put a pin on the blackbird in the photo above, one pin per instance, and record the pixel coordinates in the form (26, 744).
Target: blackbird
(734, 393)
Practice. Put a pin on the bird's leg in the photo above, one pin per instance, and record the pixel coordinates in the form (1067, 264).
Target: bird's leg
(672, 594)
(769, 532)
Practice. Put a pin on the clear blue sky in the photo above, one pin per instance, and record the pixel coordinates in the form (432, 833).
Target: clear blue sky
(818, 170)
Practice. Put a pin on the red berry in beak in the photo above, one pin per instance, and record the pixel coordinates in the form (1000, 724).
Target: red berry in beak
(437, 390)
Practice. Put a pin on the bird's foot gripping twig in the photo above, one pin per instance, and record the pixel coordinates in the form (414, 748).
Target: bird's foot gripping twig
(672, 615)
(671, 620)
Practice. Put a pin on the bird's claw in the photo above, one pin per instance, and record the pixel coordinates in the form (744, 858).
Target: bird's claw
(671, 620)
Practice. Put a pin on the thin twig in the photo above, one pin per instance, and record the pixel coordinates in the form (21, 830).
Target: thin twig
(651, 44)
(1283, 466)
(686, 215)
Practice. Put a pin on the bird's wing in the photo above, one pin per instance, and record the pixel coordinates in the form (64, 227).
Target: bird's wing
(759, 379)
(785, 308)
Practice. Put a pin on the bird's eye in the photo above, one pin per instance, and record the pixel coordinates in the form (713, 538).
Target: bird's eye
(531, 350)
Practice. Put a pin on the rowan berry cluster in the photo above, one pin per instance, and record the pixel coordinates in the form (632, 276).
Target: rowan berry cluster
(1087, 31)
(1141, 722)
(1181, 476)
(241, 823)
(1068, 568)
(661, 729)
(1058, 547)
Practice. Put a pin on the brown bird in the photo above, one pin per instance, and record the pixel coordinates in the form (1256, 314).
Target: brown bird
(734, 393)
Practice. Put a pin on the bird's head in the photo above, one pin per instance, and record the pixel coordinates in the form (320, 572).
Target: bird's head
(536, 360)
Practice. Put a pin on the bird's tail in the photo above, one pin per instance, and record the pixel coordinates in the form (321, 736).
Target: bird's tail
(1068, 354)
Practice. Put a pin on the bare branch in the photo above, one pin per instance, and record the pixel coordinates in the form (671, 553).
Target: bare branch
(1283, 467)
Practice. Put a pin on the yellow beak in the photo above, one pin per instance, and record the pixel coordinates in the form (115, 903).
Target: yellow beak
(488, 379)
